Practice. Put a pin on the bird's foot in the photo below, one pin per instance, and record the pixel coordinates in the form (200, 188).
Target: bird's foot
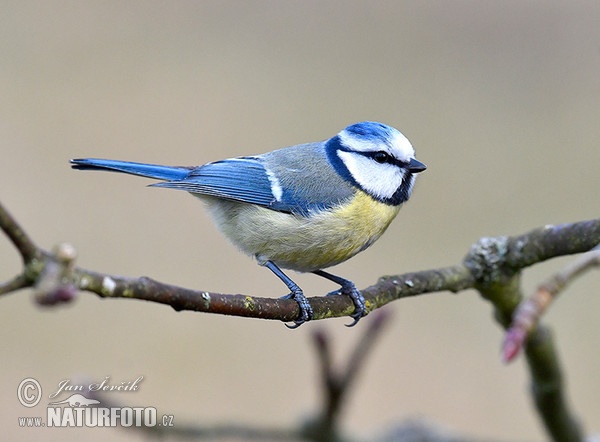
(360, 305)
(306, 312)
(347, 288)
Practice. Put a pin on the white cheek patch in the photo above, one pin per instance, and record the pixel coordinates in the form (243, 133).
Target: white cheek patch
(380, 180)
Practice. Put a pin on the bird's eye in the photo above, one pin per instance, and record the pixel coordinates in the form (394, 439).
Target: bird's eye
(381, 157)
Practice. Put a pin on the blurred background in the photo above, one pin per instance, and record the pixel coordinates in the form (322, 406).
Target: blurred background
(500, 99)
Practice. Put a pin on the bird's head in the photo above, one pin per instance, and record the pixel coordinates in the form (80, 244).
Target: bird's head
(377, 159)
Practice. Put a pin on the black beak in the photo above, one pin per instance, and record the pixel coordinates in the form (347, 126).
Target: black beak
(415, 166)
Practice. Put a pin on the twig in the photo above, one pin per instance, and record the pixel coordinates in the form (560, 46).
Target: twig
(548, 388)
(501, 285)
(337, 383)
(17, 283)
(17, 235)
(529, 312)
(456, 278)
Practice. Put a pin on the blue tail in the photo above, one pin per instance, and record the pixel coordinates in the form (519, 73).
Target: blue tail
(141, 169)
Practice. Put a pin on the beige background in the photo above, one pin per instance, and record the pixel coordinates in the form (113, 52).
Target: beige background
(501, 100)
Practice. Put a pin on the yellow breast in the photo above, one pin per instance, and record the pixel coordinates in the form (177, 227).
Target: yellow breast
(302, 243)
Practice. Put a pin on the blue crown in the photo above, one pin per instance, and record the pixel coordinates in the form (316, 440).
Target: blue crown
(371, 131)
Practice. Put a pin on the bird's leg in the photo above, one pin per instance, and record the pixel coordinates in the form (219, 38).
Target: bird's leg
(296, 293)
(348, 288)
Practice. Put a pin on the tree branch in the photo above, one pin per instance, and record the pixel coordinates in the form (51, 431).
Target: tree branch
(548, 388)
(530, 310)
(487, 262)
(337, 383)
(492, 266)
(17, 236)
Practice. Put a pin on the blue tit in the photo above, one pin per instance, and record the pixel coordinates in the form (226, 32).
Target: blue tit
(305, 207)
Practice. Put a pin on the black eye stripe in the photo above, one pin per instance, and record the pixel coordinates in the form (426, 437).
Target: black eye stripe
(372, 154)
(383, 158)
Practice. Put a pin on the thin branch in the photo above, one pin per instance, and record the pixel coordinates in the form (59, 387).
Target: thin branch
(480, 265)
(364, 346)
(337, 383)
(178, 429)
(385, 291)
(529, 312)
(548, 388)
(551, 241)
(503, 290)
(17, 235)
(16, 283)
(336, 387)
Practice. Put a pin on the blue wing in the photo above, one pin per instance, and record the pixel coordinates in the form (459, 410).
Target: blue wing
(287, 180)
(242, 179)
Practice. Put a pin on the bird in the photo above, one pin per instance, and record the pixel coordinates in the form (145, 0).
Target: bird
(305, 207)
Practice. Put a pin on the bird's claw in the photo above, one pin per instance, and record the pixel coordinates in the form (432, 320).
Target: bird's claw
(358, 300)
(306, 312)
(356, 316)
(295, 326)
(360, 305)
(347, 288)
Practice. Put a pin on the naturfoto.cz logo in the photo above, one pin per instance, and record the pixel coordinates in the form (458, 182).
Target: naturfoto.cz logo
(85, 408)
